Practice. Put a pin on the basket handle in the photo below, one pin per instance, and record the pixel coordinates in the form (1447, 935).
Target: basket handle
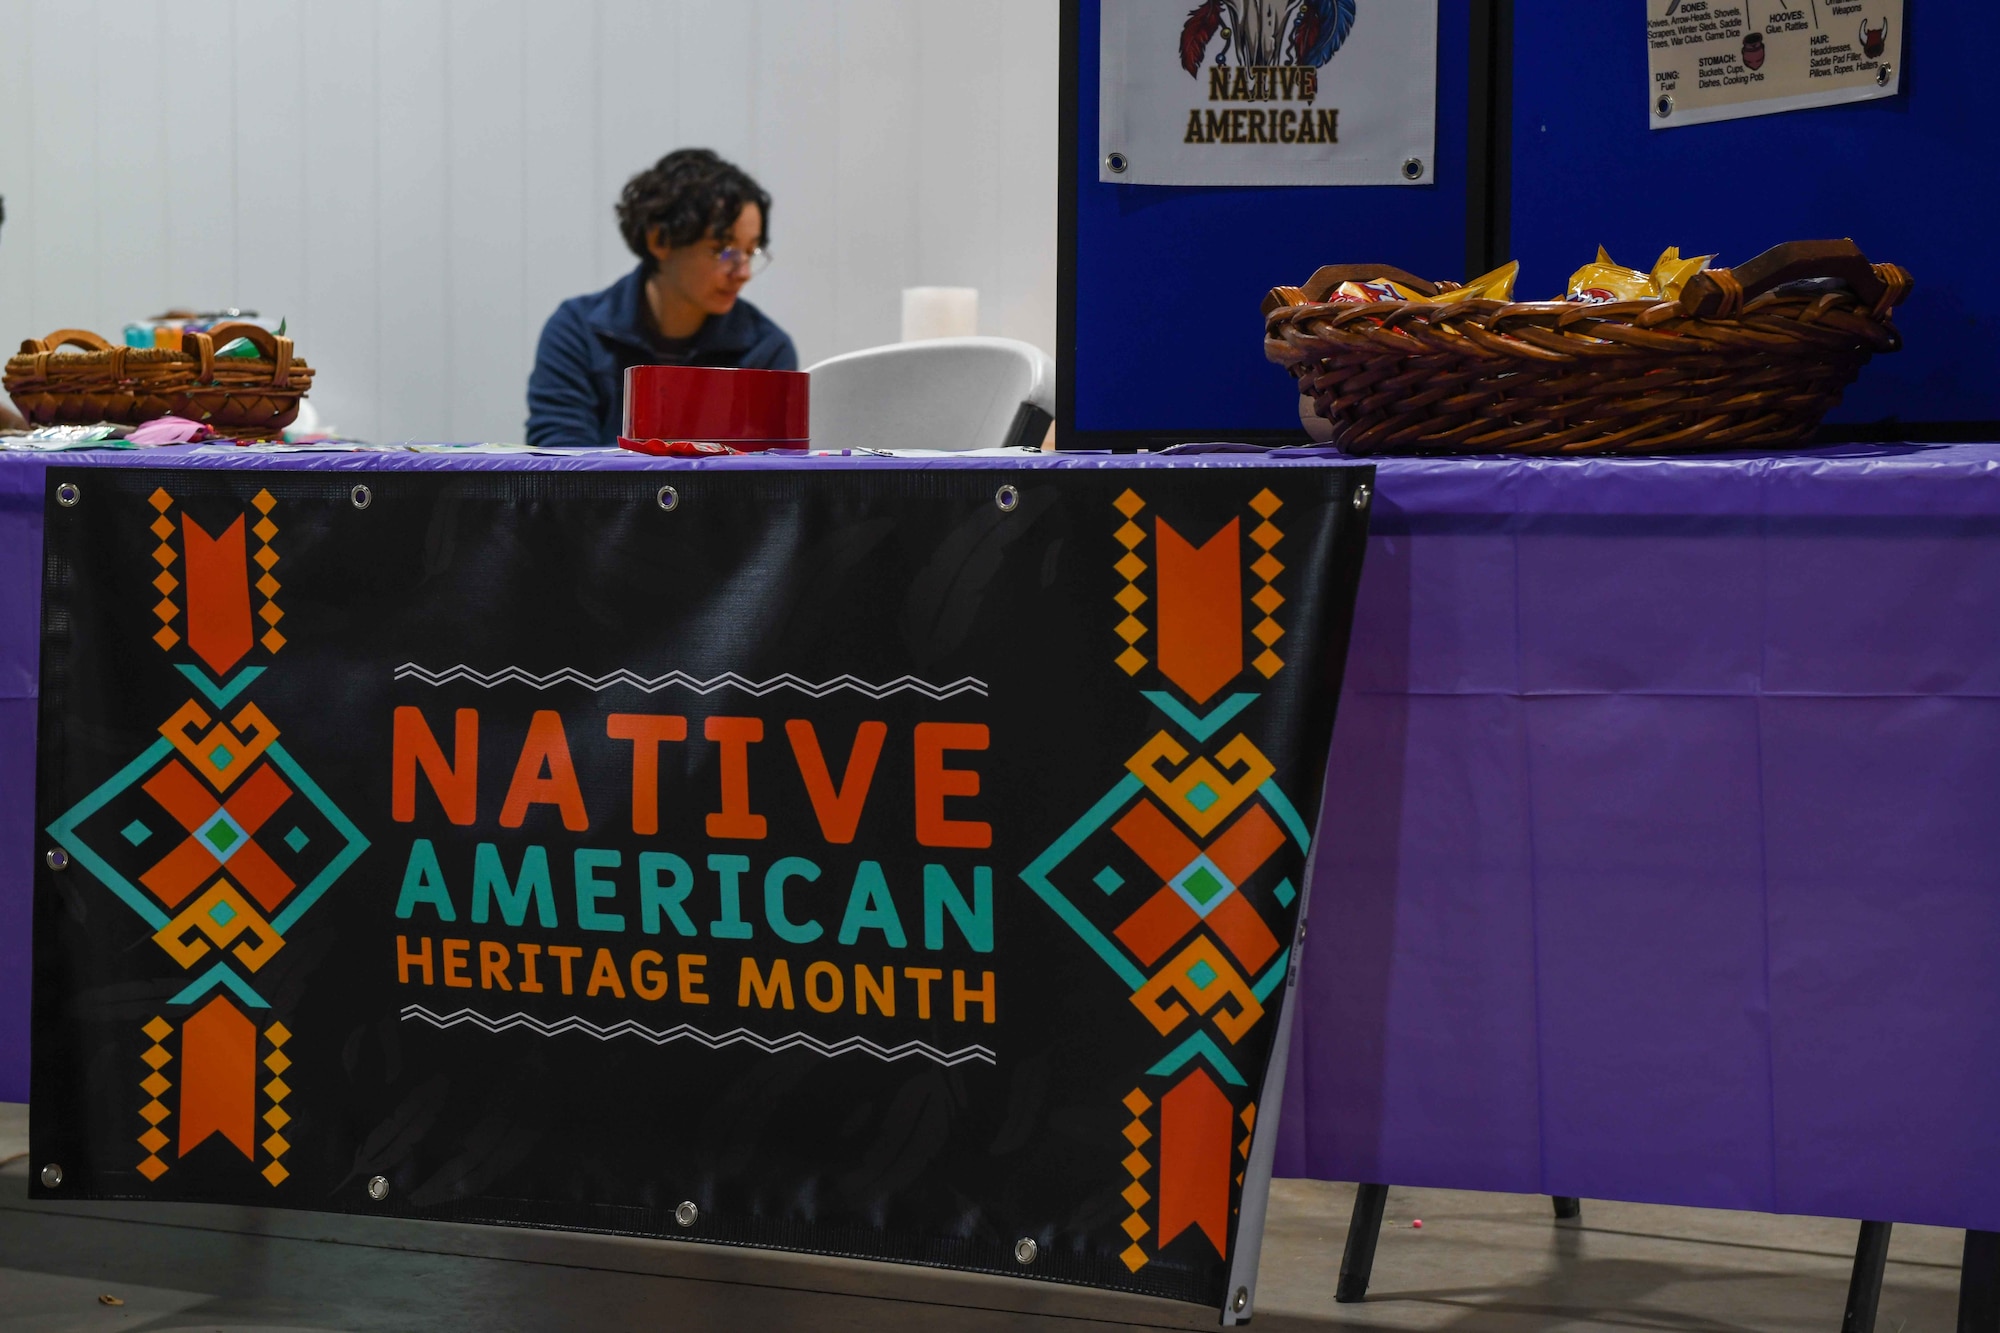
(1322, 283)
(1719, 293)
(275, 349)
(41, 349)
(83, 338)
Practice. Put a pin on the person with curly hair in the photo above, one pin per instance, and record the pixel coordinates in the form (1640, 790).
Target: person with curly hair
(700, 227)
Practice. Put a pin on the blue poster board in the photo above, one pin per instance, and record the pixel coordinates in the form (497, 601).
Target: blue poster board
(1159, 325)
(1161, 336)
(1914, 179)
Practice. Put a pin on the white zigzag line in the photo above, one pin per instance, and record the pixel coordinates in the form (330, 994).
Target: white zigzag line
(513, 675)
(740, 1036)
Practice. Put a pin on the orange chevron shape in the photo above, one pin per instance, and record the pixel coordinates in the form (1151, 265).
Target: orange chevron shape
(1200, 609)
(219, 1078)
(1195, 1160)
(218, 594)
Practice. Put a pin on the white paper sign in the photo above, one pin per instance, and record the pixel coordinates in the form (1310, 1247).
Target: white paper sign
(1267, 92)
(1721, 59)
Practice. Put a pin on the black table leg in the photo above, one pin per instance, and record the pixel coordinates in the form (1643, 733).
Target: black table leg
(1567, 1208)
(1979, 1284)
(1864, 1289)
(1363, 1229)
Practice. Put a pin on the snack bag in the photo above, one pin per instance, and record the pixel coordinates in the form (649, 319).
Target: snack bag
(1367, 293)
(1671, 272)
(1604, 280)
(1495, 286)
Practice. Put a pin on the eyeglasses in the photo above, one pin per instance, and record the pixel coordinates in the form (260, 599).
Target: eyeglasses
(729, 257)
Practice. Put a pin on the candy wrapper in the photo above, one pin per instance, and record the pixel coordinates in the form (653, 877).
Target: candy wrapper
(1604, 280)
(1495, 286)
(1671, 272)
(1367, 293)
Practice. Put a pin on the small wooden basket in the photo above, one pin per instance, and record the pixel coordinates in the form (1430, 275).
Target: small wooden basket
(242, 397)
(1749, 358)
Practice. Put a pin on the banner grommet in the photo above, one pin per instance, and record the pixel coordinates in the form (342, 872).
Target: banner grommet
(361, 496)
(669, 499)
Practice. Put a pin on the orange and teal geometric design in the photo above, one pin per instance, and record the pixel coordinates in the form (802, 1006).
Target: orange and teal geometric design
(218, 840)
(1173, 877)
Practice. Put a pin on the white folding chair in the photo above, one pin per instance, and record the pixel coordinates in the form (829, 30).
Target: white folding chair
(941, 393)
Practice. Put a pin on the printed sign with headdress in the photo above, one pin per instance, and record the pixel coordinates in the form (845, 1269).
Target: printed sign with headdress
(1267, 92)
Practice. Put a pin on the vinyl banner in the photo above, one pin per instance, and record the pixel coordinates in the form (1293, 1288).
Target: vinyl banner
(891, 863)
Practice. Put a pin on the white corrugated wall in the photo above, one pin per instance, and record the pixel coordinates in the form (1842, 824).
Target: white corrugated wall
(415, 184)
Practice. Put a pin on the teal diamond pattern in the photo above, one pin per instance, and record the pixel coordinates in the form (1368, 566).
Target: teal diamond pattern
(222, 835)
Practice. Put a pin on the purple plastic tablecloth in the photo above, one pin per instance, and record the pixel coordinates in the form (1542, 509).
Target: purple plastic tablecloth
(1661, 850)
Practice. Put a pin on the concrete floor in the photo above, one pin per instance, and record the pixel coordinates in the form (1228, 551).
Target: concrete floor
(1482, 1263)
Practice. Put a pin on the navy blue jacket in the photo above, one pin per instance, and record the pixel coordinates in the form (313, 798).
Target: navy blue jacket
(576, 394)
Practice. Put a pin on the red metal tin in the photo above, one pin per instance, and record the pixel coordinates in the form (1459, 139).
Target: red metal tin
(745, 409)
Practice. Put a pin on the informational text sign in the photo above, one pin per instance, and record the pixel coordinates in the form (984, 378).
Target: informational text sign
(1267, 92)
(893, 863)
(1721, 59)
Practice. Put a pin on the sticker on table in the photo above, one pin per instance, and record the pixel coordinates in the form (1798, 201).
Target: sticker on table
(1708, 60)
(1267, 92)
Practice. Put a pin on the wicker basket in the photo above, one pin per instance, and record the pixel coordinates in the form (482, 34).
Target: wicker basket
(242, 397)
(1746, 359)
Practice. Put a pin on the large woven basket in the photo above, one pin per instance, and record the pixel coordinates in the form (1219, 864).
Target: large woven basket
(242, 397)
(1745, 359)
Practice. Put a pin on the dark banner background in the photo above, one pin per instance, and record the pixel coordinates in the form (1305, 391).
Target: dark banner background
(876, 575)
